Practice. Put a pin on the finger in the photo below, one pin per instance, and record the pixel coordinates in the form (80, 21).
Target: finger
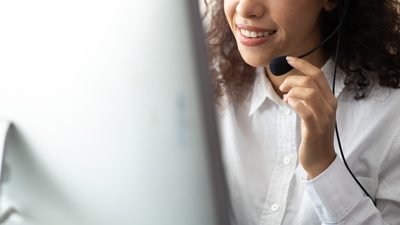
(298, 81)
(323, 112)
(307, 82)
(304, 112)
(312, 71)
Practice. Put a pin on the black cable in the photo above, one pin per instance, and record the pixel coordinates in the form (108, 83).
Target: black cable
(343, 8)
(326, 40)
(336, 129)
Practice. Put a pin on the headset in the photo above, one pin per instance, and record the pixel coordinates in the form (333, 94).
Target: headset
(279, 66)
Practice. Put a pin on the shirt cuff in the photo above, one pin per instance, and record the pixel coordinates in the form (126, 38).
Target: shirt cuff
(334, 192)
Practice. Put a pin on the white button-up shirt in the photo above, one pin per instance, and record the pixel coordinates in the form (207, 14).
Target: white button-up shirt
(267, 185)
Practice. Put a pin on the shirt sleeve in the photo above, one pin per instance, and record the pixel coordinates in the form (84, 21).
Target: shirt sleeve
(338, 199)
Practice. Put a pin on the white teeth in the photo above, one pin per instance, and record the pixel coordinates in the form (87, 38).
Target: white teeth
(252, 34)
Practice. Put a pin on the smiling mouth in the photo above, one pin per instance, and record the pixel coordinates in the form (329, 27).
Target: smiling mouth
(253, 34)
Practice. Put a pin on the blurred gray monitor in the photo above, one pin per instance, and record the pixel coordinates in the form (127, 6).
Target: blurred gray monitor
(113, 115)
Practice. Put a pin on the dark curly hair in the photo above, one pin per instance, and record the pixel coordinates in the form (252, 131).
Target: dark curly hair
(369, 48)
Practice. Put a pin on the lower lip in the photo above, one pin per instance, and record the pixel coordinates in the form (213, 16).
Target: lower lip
(253, 41)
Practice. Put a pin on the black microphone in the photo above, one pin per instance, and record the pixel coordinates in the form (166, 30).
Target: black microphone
(279, 66)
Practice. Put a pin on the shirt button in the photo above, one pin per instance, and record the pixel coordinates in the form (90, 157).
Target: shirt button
(286, 110)
(274, 207)
(286, 160)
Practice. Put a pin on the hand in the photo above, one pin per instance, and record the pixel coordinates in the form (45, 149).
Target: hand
(311, 97)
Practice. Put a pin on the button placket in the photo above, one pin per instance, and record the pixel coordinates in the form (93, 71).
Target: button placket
(275, 203)
(286, 160)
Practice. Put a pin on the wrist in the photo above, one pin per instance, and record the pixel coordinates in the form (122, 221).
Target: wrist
(318, 168)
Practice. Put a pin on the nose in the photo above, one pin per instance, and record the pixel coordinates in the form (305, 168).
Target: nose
(250, 8)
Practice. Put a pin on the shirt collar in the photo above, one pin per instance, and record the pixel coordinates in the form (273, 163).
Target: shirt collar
(263, 88)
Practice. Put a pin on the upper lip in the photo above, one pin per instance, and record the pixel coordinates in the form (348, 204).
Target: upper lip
(253, 28)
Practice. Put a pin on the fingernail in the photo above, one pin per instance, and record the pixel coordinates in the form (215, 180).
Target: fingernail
(290, 59)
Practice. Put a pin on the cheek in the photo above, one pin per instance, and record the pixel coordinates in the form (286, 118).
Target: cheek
(289, 15)
(297, 18)
(229, 9)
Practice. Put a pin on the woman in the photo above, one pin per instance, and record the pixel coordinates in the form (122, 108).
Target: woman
(281, 153)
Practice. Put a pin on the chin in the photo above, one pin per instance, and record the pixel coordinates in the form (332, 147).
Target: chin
(256, 57)
(256, 61)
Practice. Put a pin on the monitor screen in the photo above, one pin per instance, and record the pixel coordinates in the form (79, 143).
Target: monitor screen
(112, 116)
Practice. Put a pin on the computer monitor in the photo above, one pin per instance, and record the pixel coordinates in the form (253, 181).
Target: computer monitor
(113, 115)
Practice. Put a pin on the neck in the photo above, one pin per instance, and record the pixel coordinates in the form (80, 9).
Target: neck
(317, 58)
